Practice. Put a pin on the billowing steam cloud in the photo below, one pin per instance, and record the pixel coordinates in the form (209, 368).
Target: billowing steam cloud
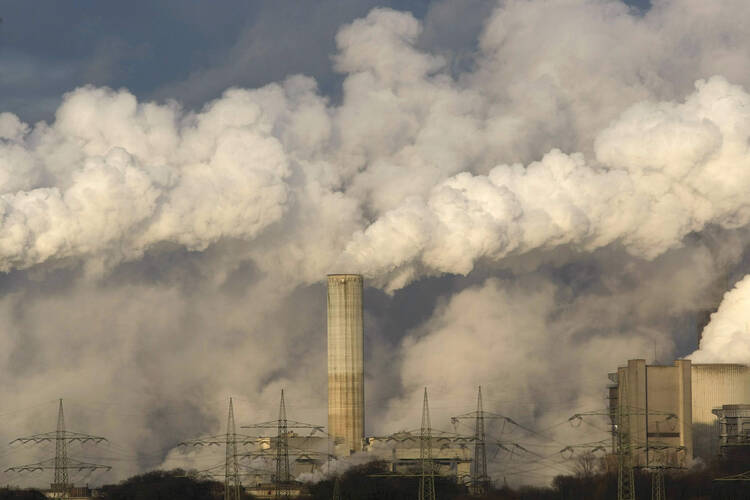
(111, 177)
(726, 338)
(587, 174)
(661, 173)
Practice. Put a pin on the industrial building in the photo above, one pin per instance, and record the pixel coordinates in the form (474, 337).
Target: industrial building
(346, 376)
(268, 490)
(656, 412)
(451, 454)
(668, 413)
(307, 454)
(72, 493)
(734, 428)
(714, 385)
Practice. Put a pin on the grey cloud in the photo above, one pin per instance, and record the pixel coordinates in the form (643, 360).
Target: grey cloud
(559, 197)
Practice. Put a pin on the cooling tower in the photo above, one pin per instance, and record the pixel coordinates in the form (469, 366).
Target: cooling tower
(346, 384)
(715, 385)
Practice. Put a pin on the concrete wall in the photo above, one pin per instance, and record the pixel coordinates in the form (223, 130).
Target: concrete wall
(734, 426)
(452, 457)
(657, 411)
(346, 386)
(690, 391)
(715, 385)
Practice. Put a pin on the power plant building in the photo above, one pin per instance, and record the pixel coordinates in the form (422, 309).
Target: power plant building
(670, 408)
(734, 428)
(656, 412)
(346, 378)
(715, 385)
(452, 455)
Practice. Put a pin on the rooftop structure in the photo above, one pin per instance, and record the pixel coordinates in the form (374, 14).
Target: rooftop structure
(715, 385)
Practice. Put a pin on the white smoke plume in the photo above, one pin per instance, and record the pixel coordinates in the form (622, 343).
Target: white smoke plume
(579, 189)
(726, 339)
(111, 177)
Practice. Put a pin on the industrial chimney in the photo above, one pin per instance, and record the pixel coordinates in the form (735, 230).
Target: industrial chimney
(346, 378)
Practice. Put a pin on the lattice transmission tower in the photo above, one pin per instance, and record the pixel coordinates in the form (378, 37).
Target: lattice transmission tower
(625, 474)
(337, 488)
(658, 492)
(623, 444)
(230, 469)
(282, 479)
(61, 463)
(479, 478)
(232, 484)
(626, 445)
(427, 478)
(480, 482)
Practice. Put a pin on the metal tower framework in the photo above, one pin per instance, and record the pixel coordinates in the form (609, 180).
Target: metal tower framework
(480, 481)
(625, 475)
(230, 469)
(337, 488)
(282, 478)
(427, 478)
(61, 464)
(61, 451)
(479, 478)
(742, 477)
(658, 492)
(625, 448)
(232, 484)
(624, 445)
(658, 489)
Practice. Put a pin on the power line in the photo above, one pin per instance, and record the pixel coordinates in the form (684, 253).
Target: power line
(61, 464)
(283, 482)
(427, 478)
(282, 477)
(230, 440)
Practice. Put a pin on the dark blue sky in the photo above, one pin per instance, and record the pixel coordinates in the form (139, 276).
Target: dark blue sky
(186, 49)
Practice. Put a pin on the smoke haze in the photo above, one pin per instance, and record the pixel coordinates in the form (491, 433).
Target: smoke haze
(552, 191)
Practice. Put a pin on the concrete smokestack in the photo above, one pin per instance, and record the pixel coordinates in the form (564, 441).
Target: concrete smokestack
(346, 377)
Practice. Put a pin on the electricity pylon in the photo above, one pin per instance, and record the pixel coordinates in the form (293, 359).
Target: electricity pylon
(427, 478)
(61, 464)
(480, 481)
(658, 492)
(230, 440)
(626, 444)
(283, 482)
(625, 475)
(282, 453)
(479, 476)
(232, 485)
(337, 488)
(61, 451)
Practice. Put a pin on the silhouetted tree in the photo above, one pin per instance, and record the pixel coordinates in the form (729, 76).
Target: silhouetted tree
(18, 494)
(165, 485)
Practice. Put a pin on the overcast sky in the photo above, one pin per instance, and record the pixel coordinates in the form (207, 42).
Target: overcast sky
(535, 191)
(187, 50)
